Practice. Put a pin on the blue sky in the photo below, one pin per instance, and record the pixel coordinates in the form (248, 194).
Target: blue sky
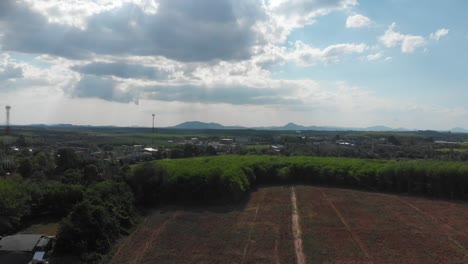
(354, 63)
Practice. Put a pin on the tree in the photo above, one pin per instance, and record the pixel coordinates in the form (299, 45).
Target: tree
(21, 141)
(211, 151)
(44, 162)
(96, 222)
(67, 159)
(72, 176)
(88, 228)
(146, 183)
(90, 174)
(392, 139)
(25, 167)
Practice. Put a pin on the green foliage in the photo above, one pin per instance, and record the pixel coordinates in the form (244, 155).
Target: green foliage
(25, 167)
(67, 159)
(15, 201)
(20, 200)
(58, 199)
(146, 183)
(95, 223)
(72, 176)
(88, 228)
(44, 162)
(90, 174)
(230, 177)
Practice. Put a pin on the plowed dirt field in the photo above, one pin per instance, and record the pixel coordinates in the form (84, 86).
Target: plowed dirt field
(334, 226)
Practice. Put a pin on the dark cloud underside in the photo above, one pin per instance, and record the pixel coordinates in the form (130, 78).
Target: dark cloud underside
(200, 30)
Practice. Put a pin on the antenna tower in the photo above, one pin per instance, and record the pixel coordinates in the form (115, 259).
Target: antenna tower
(152, 135)
(7, 127)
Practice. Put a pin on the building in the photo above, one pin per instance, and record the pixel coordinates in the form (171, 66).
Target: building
(23, 248)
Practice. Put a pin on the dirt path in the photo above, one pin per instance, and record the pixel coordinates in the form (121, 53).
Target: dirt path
(153, 236)
(354, 236)
(296, 228)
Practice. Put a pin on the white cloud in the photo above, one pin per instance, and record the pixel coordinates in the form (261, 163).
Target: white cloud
(76, 12)
(408, 43)
(439, 33)
(375, 56)
(283, 16)
(357, 21)
(305, 55)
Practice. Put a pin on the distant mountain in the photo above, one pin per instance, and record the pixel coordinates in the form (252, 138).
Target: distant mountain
(199, 125)
(378, 128)
(459, 130)
(289, 126)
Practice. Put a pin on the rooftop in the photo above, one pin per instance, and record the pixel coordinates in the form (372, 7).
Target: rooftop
(21, 242)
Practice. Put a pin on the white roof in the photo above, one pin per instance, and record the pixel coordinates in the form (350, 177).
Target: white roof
(39, 255)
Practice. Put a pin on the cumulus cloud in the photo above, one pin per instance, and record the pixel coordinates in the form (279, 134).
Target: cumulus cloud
(122, 70)
(10, 72)
(90, 86)
(375, 56)
(304, 54)
(75, 13)
(408, 43)
(439, 34)
(357, 21)
(200, 33)
(237, 95)
(283, 16)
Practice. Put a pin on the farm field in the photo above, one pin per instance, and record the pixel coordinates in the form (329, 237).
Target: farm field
(336, 226)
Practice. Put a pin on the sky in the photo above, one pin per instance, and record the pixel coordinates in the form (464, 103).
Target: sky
(350, 63)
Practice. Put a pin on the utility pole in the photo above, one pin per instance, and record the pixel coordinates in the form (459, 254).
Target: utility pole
(152, 135)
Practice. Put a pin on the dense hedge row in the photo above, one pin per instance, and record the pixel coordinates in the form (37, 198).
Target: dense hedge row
(230, 177)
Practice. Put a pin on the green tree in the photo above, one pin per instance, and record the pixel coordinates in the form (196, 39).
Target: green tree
(67, 159)
(90, 174)
(72, 176)
(146, 183)
(88, 228)
(21, 141)
(25, 167)
(44, 162)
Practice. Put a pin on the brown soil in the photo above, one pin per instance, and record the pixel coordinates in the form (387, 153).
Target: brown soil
(330, 225)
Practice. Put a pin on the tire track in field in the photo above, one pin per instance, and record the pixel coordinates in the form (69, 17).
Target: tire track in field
(296, 228)
(353, 235)
(138, 255)
(438, 223)
(277, 259)
(249, 237)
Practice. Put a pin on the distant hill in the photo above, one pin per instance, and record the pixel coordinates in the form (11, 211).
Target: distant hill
(459, 130)
(289, 126)
(203, 125)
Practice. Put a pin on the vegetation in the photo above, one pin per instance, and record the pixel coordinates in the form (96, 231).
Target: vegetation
(231, 177)
(20, 201)
(96, 222)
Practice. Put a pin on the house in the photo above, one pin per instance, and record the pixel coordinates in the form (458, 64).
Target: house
(22, 248)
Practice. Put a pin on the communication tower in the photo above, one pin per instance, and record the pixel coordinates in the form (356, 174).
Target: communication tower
(7, 127)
